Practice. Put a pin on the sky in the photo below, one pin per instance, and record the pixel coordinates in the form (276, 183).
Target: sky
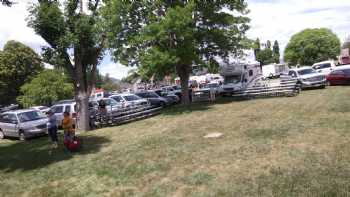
(270, 20)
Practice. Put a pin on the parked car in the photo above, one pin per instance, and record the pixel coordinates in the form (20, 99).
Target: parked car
(8, 108)
(170, 90)
(177, 90)
(154, 98)
(111, 104)
(43, 109)
(325, 67)
(339, 76)
(130, 100)
(215, 87)
(307, 77)
(172, 98)
(203, 94)
(22, 124)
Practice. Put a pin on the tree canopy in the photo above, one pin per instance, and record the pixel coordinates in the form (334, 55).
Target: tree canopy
(76, 41)
(276, 52)
(267, 55)
(312, 45)
(6, 3)
(18, 65)
(165, 37)
(46, 88)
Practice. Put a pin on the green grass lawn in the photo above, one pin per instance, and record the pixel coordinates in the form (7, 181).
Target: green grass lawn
(293, 146)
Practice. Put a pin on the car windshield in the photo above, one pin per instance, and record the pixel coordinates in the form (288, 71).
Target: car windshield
(117, 98)
(131, 98)
(110, 102)
(159, 92)
(30, 116)
(232, 79)
(57, 109)
(152, 95)
(322, 66)
(306, 71)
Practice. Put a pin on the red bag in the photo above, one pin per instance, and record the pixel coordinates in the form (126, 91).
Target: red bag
(73, 145)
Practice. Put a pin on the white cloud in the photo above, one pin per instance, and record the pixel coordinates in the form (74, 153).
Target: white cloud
(280, 19)
(14, 25)
(115, 70)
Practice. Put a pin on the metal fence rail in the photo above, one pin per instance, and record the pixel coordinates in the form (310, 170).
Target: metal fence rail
(124, 115)
(286, 87)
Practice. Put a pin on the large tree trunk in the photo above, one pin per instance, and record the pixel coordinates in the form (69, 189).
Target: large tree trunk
(184, 74)
(82, 94)
(83, 110)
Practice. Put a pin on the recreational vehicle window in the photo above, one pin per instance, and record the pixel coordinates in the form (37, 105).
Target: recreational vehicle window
(232, 79)
(250, 73)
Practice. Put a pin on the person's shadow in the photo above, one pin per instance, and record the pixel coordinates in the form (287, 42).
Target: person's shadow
(38, 153)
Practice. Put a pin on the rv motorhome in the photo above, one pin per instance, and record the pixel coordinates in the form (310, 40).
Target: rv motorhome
(238, 76)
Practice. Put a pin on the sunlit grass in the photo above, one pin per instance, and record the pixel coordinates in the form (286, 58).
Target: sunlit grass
(294, 146)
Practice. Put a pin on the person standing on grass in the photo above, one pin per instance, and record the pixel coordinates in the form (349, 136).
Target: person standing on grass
(67, 125)
(52, 128)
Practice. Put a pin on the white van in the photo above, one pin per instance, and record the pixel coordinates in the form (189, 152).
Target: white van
(58, 110)
(325, 67)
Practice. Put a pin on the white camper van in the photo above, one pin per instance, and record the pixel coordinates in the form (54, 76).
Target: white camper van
(238, 76)
(274, 70)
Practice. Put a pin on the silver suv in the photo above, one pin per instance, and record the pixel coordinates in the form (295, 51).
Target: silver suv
(308, 77)
(22, 124)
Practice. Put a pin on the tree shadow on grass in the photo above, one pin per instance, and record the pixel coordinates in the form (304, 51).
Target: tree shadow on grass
(199, 106)
(35, 154)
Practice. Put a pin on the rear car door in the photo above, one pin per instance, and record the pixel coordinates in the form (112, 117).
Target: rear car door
(337, 77)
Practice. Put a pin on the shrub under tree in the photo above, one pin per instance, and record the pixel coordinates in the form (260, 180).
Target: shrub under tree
(46, 88)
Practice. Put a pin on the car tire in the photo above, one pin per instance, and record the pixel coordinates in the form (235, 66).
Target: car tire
(2, 135)
(323, 87)
(21, 136)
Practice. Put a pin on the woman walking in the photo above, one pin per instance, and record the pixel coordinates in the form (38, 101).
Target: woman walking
(52, 128)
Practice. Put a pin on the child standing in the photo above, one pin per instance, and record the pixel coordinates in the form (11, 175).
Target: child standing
(67, 125)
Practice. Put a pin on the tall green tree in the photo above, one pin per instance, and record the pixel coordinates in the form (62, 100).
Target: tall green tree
(18, 65)
(312, 45)
(109, 84)
(76, 41)
(276, 52)
(46, 88)
(265, 56)
(171, 36)
(268, 44)
(256, 47)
